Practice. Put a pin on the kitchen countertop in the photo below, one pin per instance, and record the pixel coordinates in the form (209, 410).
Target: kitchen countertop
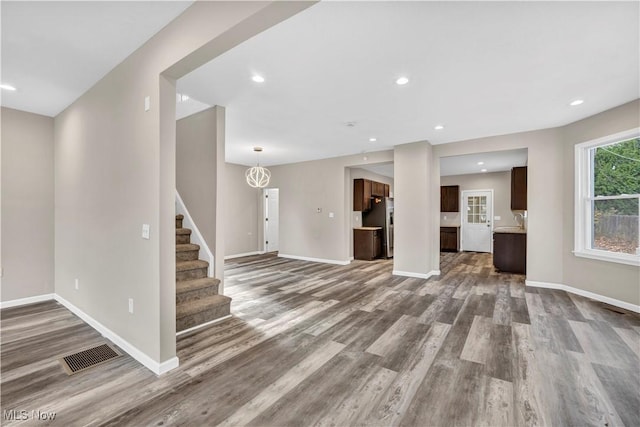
(367, 228)
(512, 230)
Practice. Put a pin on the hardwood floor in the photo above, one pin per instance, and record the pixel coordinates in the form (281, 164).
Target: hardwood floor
(316, 344)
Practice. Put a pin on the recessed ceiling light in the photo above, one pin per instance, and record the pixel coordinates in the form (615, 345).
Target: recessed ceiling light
(439, 127)
(576, 102)
(258, 79)
(372, 139)
(7, 87)
(480, 163)
(483, 170)
(402, 81)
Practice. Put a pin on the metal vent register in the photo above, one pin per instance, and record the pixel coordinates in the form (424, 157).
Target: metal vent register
(89, 358)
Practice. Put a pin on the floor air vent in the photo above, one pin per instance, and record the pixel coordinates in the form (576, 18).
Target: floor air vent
(86, 359)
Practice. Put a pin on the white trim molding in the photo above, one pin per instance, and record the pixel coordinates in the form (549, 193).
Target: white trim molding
(581, 292)
(27, 300)
(416, 275)
(203, 325)
(155, 367)
(244, 254)
(325, 261)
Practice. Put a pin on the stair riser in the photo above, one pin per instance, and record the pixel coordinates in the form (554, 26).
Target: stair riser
(196, 273)
(183, 238)
(185, 297)
(187, 255)
(202, 317)
(178, 223)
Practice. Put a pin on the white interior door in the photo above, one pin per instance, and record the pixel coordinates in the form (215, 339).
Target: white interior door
(271, 219)
(477, 212)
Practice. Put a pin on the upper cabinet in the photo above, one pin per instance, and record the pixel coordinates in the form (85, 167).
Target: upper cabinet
(361, 195)
(519, 189)
(449, 198)
(364, 190)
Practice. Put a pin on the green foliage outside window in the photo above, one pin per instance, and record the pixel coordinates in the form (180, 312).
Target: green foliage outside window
(616, 172)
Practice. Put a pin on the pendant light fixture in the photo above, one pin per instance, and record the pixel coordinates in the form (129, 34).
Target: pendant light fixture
(257, 176)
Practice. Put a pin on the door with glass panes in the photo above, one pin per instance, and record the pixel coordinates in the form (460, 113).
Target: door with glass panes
(477, 207)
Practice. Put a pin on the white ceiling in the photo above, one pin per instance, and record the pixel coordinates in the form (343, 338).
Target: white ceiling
(478, 68)
(53, 52)
(496, 161)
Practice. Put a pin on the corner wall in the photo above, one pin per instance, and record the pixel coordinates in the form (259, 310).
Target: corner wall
(242, 213)
(545, 195)
(115, 170)
(27, 205)
(307, 186)
(613, 280)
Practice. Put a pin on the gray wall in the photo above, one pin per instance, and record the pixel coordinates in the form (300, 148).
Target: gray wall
(324, 184)
(614, 280)
(242, 213)
(500, 182)
(27, 205)
(115, 170)
(196, 170)
(413, 205)
(545, 195)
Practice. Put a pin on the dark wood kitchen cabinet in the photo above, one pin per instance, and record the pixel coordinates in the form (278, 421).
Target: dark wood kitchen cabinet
(449, 239)
(377, 189)
(510, 252)
(519, 189)
(449, 198)
(367, 243)
(364, 190)
(361, 195)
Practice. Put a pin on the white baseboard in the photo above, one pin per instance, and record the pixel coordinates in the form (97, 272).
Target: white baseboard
(25, 301)
(581, 292)
(152, 365)
(244, 254)
(326, 261)
(416, 275)
(204, 325)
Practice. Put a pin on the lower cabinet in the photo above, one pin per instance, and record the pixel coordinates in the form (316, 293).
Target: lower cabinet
(449, 239)
(367, 243)
(510, 252)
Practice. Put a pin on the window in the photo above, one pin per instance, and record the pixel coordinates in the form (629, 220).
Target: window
(608, 198)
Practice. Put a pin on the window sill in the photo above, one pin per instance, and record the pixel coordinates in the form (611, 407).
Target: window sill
(608, 256)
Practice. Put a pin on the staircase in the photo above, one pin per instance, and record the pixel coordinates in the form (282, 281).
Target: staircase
(197, 298)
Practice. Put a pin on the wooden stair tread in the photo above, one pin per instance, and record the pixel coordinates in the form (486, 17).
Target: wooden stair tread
(203, 304)
(191, 265)
(183, 231)
(186, 247)
(183, 286)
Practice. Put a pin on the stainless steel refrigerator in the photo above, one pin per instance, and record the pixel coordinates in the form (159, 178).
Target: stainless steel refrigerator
(381, 215)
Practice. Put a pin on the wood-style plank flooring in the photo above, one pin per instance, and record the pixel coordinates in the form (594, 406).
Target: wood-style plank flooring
(322, 345)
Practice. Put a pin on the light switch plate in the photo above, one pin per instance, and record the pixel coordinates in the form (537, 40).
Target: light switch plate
(131, 305)
(331, 215)
(147, 103)
(146, 231)
(497, 218)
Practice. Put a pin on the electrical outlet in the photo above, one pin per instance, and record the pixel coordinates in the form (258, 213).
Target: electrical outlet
(77, 285)
(131, 305)
(497, 218)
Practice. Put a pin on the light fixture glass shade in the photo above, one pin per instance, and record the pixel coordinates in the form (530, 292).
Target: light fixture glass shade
(257, 176)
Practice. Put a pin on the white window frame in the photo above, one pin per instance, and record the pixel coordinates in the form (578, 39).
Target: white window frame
(584, 197)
